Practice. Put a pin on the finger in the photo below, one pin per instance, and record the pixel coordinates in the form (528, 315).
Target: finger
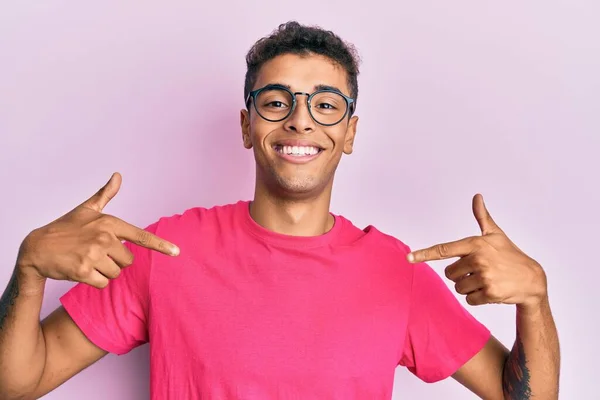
(476, 298)
(108, 268)
(469, 284)
(95, 279)
(459, 269)
(133, 234)
(459, 248)
(483, 217)
(120, 254)
(106, 193)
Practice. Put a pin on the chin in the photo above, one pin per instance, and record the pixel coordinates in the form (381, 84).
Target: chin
(292, 181)
(298, 186)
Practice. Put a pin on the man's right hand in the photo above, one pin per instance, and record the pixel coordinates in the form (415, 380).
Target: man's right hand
(85, 245)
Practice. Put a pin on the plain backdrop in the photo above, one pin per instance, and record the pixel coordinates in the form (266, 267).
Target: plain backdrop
(456, 98)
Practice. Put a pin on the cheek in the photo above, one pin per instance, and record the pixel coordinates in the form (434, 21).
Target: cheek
(260, 130)
(337, 137)
(257, 130)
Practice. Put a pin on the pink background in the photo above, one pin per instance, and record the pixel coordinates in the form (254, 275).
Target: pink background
(455, 98)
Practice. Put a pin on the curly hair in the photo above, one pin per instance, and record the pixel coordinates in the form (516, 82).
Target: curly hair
(294, 38)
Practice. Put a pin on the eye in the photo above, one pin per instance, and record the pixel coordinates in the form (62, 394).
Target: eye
(328, 102)
(326, 106)
(276, 104)
(274, 100)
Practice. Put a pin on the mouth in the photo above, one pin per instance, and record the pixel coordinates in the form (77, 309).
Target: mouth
(297, 151)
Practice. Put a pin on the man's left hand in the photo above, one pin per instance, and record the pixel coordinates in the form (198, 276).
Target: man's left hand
(491, 268)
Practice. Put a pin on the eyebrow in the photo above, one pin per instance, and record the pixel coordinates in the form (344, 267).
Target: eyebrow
(316, 87)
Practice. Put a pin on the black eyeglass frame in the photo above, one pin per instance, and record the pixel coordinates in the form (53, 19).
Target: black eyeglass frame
(253, 94)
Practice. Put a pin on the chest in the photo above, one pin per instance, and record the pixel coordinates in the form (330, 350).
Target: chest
(282, 316)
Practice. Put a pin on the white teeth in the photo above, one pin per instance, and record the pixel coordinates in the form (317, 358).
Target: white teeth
(298, 150)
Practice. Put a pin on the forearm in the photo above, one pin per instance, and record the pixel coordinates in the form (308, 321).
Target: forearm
(22, 346)
(532, 368)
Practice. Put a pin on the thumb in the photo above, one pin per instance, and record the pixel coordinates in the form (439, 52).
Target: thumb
(483, 217)
(101, 198)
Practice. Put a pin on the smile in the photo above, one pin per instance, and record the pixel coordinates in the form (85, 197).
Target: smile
(297, 151)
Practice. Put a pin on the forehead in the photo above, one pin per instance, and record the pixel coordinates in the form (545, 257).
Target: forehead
(303, 73)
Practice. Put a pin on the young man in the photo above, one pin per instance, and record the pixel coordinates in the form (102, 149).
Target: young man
(276, 298)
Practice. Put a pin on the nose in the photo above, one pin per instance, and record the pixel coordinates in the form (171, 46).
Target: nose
(300, 121)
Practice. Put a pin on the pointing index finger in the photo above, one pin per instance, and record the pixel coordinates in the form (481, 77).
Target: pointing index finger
(459, 248)
(133, 234)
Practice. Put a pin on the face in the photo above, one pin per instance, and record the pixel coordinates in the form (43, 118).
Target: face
(309, 169)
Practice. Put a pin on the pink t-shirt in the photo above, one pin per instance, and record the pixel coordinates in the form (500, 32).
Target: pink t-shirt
(246, 313)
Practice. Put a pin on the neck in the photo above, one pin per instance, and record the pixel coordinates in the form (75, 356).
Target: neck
(288, 216)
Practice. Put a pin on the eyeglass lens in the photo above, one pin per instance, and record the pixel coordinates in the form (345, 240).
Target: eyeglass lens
(325, 107)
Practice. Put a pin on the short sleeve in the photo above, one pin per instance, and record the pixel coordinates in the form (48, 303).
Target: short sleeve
(441, 334)
(115, 318)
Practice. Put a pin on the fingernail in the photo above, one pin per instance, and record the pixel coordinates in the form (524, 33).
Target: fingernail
(410, 257)
(175, 251)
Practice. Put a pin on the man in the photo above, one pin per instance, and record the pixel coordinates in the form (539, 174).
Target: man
(276, 298)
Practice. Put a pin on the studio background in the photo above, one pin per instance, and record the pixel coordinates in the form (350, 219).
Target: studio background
(455, 98)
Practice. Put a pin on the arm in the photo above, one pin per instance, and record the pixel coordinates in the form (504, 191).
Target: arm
(84, 246)
(533, 367)
(36, 358)
(529, 371)
(492, 269)
(482, 374)
(68, 351)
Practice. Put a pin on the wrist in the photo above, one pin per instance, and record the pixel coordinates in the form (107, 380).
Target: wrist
(25, 258)
(538, 290)
(29, 280)
(534, 305)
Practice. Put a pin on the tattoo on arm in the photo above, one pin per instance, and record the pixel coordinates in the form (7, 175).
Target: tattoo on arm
(8, 298)
(515, 378)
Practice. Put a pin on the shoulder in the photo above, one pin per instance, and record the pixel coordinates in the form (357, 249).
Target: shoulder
(196, 216)
(197, 224)
(389, 250)
(375, 240)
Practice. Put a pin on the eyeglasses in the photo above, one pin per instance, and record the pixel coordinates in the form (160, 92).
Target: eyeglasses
(275, 103)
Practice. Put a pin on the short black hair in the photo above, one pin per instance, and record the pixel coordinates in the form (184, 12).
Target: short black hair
(294, 38)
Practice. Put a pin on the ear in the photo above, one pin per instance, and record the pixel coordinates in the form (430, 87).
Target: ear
(350, 135)
(245, 124)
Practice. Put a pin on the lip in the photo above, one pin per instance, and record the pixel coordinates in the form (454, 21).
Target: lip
(296, 159)
(297, 142)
